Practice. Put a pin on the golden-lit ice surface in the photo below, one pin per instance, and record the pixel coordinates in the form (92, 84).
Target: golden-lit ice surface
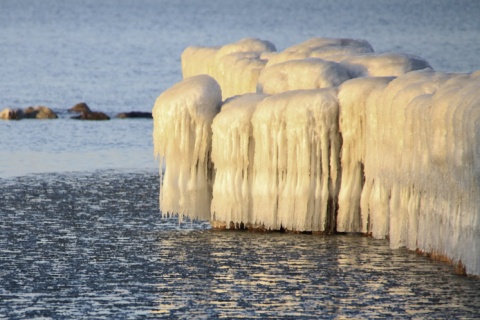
(333, 138)
(182, 140)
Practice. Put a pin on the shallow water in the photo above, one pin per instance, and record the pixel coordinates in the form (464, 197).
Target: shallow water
(66, 145)
(93, 245)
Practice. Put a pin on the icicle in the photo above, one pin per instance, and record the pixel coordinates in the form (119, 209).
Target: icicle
(297, 146)
(232, 154)
(352, 97)
(182, 139)
(421, 167)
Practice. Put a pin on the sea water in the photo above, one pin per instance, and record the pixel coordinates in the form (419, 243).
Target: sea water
(80, 231)
(92, 245)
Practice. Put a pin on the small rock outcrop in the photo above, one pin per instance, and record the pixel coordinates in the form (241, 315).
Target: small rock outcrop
(11, 114)
(80, 107)
(92, 116)
(134, 114)
(39, 112)
(86, 113)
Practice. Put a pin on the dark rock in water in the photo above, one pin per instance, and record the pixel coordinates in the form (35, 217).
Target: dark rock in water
(11, 114)
(92, 116)
(134, 114)
(39, 112)
(86, 113)
(80, 107)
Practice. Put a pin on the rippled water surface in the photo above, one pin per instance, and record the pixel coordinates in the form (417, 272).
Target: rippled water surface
(94, 246)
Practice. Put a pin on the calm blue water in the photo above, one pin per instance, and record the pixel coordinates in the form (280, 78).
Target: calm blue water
(80, 232)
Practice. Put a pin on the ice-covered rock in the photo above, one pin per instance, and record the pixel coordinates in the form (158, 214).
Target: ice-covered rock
(392, 153)
(325, 48)
(311, 73)
(421, 165)
(182, 118)
(296, 161)
(233, 149)
(235, 66)
(383, 65)
(353, 96)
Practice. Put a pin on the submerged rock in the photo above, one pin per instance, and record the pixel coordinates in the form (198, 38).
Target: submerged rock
(86, 113)
(92, 116)
(134, 114)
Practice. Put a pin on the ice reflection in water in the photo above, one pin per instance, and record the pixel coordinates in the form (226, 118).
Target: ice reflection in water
(266, 275)
(93, 245)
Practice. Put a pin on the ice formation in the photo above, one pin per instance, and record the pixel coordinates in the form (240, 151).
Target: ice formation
(352, 98)
(236, 66)
(422, 173)
(296, 161)
(324, 48)
(383, 65)
(182, 118)
(310, 73)
(325, 136)
(232, 152)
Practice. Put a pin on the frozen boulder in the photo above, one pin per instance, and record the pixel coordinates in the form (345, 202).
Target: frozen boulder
(383, 65)
(182, 118)
(311, 73)
(235, 66)
(296, 161)
(233, 149)
(331, 49)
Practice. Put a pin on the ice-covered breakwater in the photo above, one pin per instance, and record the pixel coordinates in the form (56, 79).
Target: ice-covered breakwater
(325, 136)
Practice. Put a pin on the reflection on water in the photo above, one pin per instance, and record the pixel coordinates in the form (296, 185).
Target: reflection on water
(94, 245)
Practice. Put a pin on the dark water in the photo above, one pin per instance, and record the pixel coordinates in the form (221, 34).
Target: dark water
(93, 245)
